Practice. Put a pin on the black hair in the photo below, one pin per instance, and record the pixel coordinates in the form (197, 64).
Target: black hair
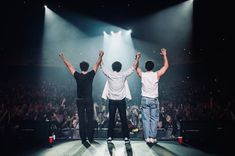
(149, 65)
(116, 66)
(84, 66)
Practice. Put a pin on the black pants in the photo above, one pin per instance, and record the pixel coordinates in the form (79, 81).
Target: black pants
(86, 118)
(121, 106)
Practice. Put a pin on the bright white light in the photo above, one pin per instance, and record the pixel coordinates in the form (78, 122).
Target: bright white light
(45, 6)
(104, 32)
(118, 47)
(129, 31)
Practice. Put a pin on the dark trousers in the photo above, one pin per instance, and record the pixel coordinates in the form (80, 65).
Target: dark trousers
(86, 118)
(121, 106)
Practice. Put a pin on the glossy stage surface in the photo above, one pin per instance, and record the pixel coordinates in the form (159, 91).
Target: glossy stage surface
(116, 148)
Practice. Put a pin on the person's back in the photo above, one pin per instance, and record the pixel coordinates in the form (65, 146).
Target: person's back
(84, 84)
(149, 84)
(116, 80)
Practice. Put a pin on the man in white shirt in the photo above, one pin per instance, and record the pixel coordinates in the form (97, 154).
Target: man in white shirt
(116, 90)
(149, 100)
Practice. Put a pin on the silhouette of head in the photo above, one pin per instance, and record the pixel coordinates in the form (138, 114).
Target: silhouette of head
(84, 66)
(117, 66)
(149, 65)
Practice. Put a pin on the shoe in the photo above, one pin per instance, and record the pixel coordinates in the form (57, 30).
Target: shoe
(147, 140)
(127, 140)
(84, 141)
(109, 140)
(153, 140)
(86, 144)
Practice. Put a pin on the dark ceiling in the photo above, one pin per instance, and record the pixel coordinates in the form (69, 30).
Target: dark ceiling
(17, 17)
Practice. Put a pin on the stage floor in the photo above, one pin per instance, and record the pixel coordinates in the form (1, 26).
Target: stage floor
(118, 148)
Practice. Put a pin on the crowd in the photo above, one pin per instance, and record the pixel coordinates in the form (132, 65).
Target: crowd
(55, 100)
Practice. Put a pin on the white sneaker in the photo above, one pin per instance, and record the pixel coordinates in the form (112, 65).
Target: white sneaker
(109, 140)
(127, 141)
(147, 140)
(153, 140)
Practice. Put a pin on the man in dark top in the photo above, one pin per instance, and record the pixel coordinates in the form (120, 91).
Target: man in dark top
(84, 96)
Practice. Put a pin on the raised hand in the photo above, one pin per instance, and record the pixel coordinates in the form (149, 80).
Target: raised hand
(163, 52)
(61, 55)
(67, 63)
(101, 53)
(138, 55)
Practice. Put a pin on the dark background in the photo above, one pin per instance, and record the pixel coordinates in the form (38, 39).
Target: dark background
(22, 27)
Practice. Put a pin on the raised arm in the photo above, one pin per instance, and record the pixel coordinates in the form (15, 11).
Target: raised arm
(99, 60)
(137, 58)
(165, 64)
(67, 63)
(138, 70)
(135, 65)
(106, 71)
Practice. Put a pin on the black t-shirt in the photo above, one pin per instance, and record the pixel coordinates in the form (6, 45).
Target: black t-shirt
(84, 84)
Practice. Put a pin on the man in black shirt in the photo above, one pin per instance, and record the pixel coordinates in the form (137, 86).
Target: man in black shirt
(84, 96)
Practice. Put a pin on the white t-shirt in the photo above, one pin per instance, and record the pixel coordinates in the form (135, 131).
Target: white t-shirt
(149, 82)
(117, 88)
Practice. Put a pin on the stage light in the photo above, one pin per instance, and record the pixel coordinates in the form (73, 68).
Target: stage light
(45, 6)
(129, 31)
